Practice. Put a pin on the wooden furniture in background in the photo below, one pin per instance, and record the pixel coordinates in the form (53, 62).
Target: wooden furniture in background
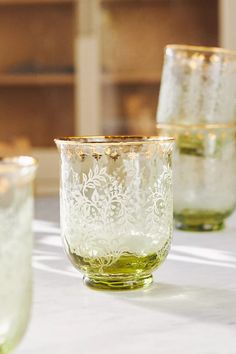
(133, 36)
(36, 70)
(17, 146)
(78, 67)
(37, 76)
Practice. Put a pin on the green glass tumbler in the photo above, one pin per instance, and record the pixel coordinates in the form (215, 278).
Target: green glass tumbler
(116, 207)
(204, 175)
(198, 86)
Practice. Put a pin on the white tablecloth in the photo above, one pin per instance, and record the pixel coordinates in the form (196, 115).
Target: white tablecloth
(190, 309)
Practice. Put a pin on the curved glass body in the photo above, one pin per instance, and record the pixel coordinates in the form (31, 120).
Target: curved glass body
(16, 208)
(198, 86)
(204, 175)
(116, 207)
(197, 105)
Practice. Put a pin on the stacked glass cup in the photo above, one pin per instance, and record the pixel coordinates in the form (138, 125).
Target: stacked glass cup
(197, 106)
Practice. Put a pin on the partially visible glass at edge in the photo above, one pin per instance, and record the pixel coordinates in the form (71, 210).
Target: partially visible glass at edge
(16, 212)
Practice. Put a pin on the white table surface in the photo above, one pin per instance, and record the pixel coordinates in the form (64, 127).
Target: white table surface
(190, 309)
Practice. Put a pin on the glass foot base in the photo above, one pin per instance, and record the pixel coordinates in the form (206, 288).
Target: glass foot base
(119, 284)
(193, 220)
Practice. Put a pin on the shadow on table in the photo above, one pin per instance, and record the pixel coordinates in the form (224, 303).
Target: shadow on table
(198, 303)
(201, 304)
(49, 255)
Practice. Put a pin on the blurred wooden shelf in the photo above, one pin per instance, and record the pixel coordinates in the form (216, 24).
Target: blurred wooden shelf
(36, 80)
(128, 1)
(146, 78)
(35, 2)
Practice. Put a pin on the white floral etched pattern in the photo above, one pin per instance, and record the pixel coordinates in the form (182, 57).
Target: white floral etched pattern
(110, 207)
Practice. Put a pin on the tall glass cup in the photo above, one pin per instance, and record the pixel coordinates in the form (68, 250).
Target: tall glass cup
(198, 86)
(197, 105)
(116, 207)
(204, 174)
(16, 209)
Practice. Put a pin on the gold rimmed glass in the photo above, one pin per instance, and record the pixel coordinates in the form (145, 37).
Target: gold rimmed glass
(16, 210)
(204, 174)
(198, 86)
(116, 207)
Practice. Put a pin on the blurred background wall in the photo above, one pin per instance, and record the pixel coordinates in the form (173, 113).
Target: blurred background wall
(82, 67)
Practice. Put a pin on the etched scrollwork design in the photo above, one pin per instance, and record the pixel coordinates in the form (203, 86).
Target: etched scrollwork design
(109, 212)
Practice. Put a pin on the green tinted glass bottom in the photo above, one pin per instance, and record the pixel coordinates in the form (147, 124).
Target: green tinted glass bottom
(8, 345)
(129, 271)
(113, 283)
(200, 220)
(6, 349)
